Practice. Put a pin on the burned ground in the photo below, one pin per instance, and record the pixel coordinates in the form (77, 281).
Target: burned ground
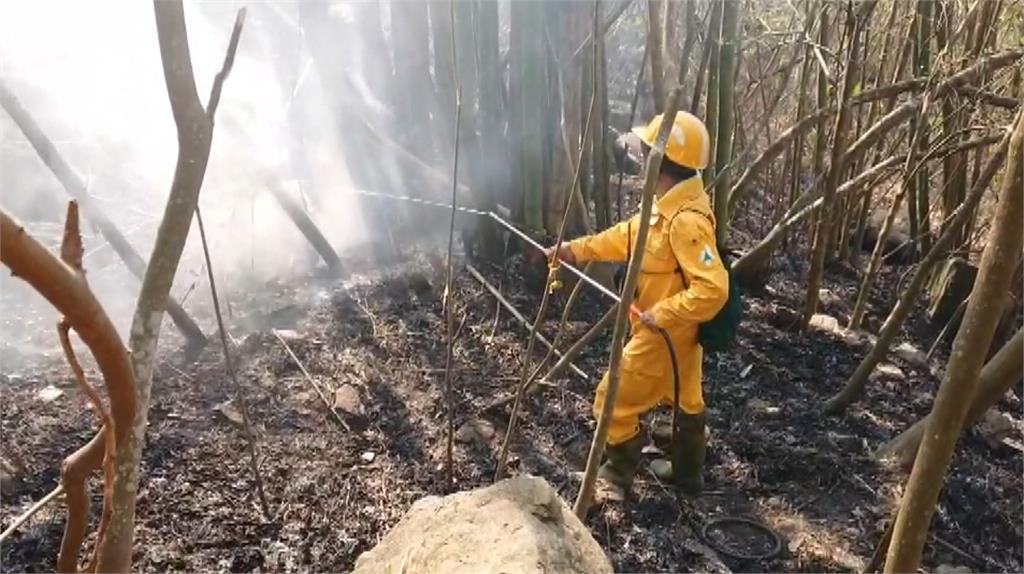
(334, 492)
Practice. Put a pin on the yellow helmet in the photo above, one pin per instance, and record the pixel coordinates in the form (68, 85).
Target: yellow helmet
(688, 144)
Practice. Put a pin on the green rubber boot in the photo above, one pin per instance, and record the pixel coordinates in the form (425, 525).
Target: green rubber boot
(686, 469)
(615, 477)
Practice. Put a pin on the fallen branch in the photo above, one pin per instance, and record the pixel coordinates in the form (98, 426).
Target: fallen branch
(571, 353)
(250, 437)
(75, 187)
(884, 124)
(305, 224)
(312, 383)
(519, 316)
(748, 268)
(64, 287)
(854, 386)
(32, 510)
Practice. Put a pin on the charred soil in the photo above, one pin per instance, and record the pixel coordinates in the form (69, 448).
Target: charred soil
(334, 492)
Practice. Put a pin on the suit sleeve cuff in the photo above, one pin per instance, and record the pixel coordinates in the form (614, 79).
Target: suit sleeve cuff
(579, 248)
(663, 315)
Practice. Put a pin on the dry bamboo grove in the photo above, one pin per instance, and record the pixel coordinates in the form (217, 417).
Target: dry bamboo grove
(408, 216)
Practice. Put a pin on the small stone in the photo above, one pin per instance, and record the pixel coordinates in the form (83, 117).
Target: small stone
(995, 426)
(49, 394)
(826, 296)
(10, 474)
(757, 405)
(230, 413)
(784, 318)
(652, 450)
(346, 399)
(368, 456)
(891, 371)
(288, 334)
(476, 430)
(763, 407)
(950, 569)
(911, 354)
(662, 468)
(826, 323)
(845, 442)
(466, 433)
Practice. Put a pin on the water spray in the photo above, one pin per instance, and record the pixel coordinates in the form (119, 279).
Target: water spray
(579, 273)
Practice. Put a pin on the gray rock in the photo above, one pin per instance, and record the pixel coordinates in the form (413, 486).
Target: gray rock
(764, 408)
(826, 323)
(347, 400)
(891, 371)
(911, 354)
(995, 426)
(49, 394)
(517, 525)
(473, 431)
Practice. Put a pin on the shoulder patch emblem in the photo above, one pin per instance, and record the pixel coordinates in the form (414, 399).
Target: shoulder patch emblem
(706, 257)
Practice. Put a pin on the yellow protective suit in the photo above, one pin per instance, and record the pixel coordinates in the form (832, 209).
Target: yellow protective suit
(683, 283)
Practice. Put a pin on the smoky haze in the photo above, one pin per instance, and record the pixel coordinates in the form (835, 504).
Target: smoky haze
(90, 75)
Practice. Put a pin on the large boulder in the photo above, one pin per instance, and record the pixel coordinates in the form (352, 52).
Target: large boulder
(517, 525)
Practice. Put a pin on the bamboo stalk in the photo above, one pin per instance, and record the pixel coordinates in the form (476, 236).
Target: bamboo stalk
(448, 285)
(586, 492)
(566, 359)
(243, 404)
(553, 267)
(519, 316)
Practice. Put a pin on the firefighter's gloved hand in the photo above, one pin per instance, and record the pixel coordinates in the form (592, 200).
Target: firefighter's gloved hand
(564, 253)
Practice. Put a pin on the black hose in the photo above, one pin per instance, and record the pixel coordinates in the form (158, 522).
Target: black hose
(675, 391)
(774, 540)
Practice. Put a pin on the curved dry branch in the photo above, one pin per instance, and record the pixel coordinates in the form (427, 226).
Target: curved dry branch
(65, 288)
(73, 476)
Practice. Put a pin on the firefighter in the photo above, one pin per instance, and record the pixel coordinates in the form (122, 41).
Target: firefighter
(682, 283)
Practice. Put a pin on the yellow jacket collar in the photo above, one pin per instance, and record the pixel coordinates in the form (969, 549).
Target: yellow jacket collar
(681, 194)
